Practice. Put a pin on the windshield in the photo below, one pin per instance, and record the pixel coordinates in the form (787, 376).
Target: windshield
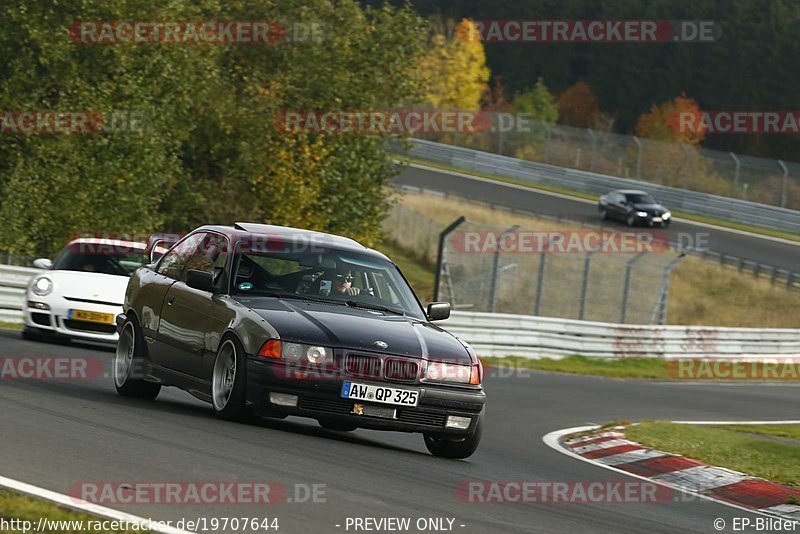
(640, 198)
(94, 258)
(327, 274)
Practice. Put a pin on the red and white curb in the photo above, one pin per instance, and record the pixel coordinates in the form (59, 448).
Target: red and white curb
(610, 449)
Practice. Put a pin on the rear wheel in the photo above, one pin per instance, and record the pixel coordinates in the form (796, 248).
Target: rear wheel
(128, 361)
(228, 381)
(450, 448)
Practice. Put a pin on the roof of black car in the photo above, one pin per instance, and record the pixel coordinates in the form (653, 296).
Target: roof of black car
(242, 229)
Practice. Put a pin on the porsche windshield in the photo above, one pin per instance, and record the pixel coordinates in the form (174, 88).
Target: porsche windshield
(327, 274)
(99, 258)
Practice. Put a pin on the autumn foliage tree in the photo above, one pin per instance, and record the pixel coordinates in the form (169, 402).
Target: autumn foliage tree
(676, 121)
(453, 73)
(578, 106)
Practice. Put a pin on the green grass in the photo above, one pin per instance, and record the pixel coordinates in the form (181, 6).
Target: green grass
(10, 326)
(780, 431)
(579, 194)
(735, 449)
(17, 506)
(621, 368)
(419, 275)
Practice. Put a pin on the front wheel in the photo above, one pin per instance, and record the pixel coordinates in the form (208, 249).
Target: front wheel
(128, 361)
(631, 220)
(228, 381)
(462, 448)
(603, 213)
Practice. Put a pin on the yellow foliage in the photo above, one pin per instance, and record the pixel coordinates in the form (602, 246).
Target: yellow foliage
(454, 74)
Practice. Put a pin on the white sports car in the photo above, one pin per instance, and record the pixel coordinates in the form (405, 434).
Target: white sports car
(81, 291)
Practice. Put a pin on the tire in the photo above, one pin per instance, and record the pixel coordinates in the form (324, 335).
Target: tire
(630, 220)
(603, 213)
(665, 224)
(31, 335)
(336, 426)
(464, 448)
(129, 356)
(229, 381)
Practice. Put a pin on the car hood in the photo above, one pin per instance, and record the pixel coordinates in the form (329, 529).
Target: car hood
(650, 208)
(88, 286)
(357, 329)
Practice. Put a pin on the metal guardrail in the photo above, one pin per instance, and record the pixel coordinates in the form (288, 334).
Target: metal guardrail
(13, 285)
(528, 336)
(729, 209)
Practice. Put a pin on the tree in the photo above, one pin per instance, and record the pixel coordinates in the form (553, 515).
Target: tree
(669, 122)
(453, 73)
(538, 102)
(578, 106)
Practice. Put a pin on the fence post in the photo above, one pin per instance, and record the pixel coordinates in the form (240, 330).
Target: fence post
(660, 311)
(688, 155)
(594, 149)
(638, 157)
(627, 287)
(785, 185)
(540, 283)
(440, 253)
(495, 265)
(735, 172)
(585, 284)
(546, 143)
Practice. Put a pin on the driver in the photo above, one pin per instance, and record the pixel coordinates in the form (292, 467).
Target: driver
(342, 283)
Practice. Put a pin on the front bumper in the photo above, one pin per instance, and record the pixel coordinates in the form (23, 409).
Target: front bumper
(319, 398)
(651, 220)
(56, 321)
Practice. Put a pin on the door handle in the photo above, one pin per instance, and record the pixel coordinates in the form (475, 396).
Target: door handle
(170, 300)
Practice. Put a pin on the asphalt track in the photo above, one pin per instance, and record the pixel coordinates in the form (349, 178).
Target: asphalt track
(59, 433)
(768, 251)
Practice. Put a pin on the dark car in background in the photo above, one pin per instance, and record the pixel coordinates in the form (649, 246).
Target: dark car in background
(634, 208)
(278, 321)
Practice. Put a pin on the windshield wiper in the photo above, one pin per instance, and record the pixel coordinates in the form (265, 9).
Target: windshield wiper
(297, 296)
(370, 306)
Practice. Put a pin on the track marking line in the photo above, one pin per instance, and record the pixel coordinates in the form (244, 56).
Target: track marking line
(594, 202)
(84, 506)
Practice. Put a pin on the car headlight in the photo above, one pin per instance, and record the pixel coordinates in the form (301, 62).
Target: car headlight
(641, 213)
(295, 352)
(42, 286)
(450, 372)
(666, 215)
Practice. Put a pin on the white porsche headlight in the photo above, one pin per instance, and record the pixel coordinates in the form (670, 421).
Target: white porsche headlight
(42, 286)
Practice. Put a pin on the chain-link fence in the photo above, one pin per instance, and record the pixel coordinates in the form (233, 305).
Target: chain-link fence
(478, 274)
(767, 181)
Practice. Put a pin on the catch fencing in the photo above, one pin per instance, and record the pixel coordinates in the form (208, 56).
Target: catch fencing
(500, 335)
(767, 181)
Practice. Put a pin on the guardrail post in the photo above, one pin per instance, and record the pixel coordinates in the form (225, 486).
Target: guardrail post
(735, 172)
(627, 287)
(540, 283)
(594, 148)
(440, 254)
(785, 184)
(638, 157)
(495, 264)
(585, 284)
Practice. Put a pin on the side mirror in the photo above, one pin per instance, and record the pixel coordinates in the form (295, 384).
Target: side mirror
(43, 263)
(202, 280)
(438, 311)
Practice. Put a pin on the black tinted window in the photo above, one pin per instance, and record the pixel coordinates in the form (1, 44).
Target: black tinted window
(118, 260)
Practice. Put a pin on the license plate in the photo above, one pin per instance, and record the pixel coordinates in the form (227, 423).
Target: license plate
(383, 394)
(91, 317)
(657, 219)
